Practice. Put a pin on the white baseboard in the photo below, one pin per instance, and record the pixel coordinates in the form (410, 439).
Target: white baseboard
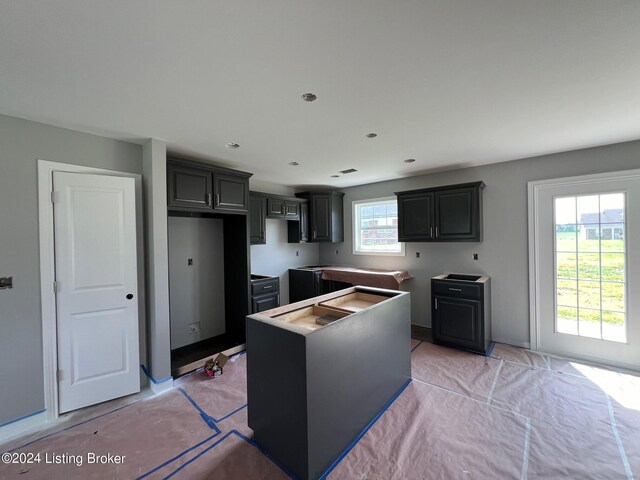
(23, 426)
(161, 387)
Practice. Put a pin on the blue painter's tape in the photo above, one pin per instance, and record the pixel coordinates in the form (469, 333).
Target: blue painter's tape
(232, 413)
(421, 342)
(150, 377)
(209, 420)
(173, 459)
(23, 418)
(490, 349)
(218, 442)
(268, 455)
(363, 432)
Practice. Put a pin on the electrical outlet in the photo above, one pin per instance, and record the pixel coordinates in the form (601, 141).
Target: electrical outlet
(297, 253)
(336, 251)
(190, 261)
(194, 327)
(475, 256)
(417, 254)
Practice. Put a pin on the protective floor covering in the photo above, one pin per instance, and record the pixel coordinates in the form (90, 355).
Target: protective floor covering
(516, 414)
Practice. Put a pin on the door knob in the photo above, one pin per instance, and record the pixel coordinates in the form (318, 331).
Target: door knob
(129, 296)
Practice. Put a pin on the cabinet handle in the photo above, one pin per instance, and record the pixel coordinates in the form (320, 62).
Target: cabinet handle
(209, 200)
(267, 287)
(436, 303)
(314, 234)
(436, 232)
(217, 199)
(431, 232)
(278, 299)
(455, 289)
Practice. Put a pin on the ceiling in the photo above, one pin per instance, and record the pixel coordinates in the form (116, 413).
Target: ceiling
(448, 83)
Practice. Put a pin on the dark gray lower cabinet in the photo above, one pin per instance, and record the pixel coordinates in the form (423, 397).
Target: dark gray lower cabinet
(265, 294)
(460, 314)
(312, 389)
(308, 283)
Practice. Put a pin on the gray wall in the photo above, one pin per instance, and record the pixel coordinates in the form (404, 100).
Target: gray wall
(504, 252)
(23, 143)
(154, 170)
(277, 256)
(196, 291)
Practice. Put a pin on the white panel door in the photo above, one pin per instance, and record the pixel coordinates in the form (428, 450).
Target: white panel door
(588, 269)
(97, 297)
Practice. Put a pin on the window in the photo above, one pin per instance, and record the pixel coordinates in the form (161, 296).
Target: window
(375, 227)
(590, 266)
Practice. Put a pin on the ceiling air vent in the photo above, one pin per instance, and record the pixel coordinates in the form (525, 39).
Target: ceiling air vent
(350, 170)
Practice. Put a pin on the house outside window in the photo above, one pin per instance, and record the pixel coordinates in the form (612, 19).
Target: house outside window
(375, 227)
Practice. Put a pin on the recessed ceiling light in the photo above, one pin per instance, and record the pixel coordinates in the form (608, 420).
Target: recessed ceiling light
(294, 164)
(371, 135)
(335, 176)
(410, 160)
(349, 170)
(309, 97)
(232, 145)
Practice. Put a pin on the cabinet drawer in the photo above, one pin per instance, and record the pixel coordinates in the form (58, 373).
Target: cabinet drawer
(270, 285)
(456, 289)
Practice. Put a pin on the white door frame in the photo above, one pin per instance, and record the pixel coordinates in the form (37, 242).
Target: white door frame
(534, 189)
(47, 273)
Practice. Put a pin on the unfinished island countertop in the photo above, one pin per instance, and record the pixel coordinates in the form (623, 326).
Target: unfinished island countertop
(369, 277)
(319, 370)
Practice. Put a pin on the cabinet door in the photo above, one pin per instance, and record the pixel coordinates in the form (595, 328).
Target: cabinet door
(257, 220)
(321, 218)
(291, 210)
(231, 192)
(188, 187)
(275, 207)
(265, 302)
(457, 215)
(415, 217)
(303, 284)
(457, 321)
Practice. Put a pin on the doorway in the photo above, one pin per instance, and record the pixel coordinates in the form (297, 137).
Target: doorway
(585, 267)
(76, 205)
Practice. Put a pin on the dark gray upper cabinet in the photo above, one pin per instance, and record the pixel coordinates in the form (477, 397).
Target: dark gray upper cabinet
(326, 216)
(415, 217)
(298, 232)
(257, 216)
(451, 213)
(265, 205)
(231, 191)
(197, 186)
(280, 207)
(189, 187)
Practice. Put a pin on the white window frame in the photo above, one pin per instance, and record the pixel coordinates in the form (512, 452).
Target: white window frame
(355, 224)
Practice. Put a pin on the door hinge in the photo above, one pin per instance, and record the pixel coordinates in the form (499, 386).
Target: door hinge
(55, 287)
(59, 375)
(53, 197)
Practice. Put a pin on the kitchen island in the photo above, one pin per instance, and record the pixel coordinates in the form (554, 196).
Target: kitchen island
(320, 370)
